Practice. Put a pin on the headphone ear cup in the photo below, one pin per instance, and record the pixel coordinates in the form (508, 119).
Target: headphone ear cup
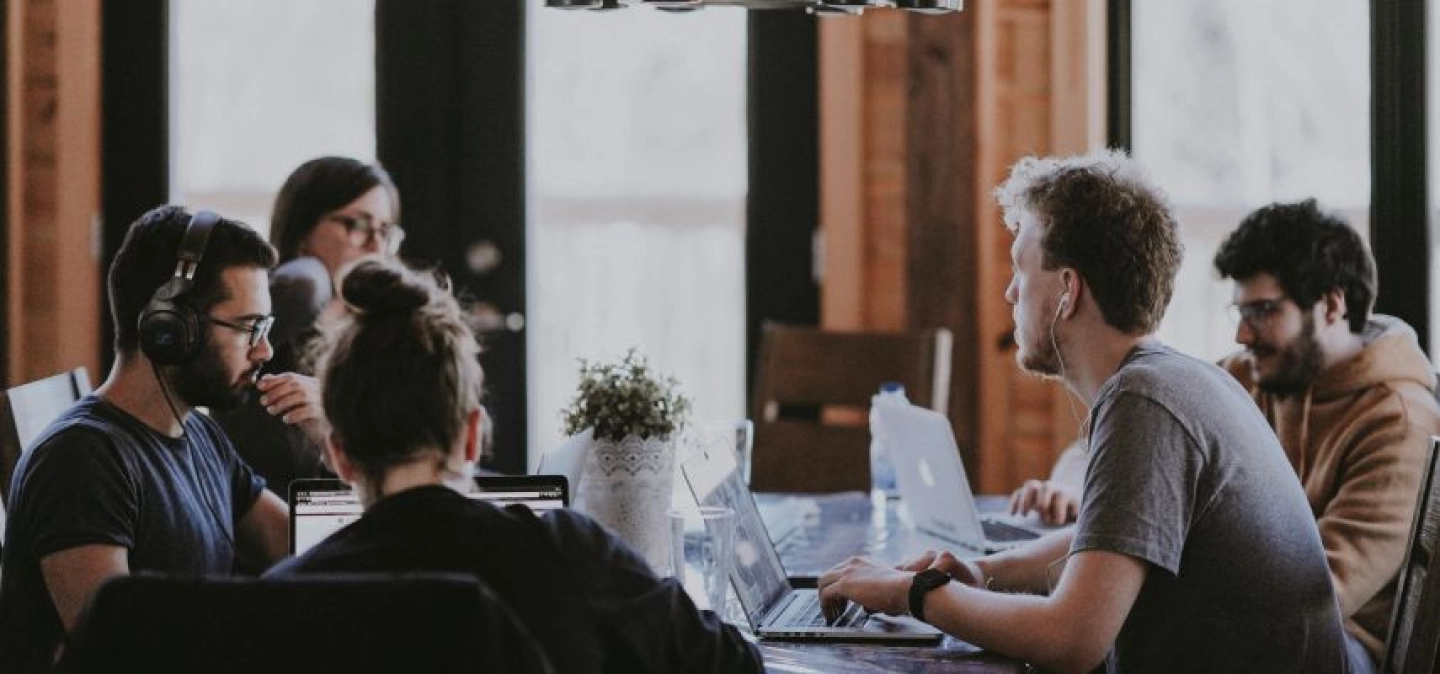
(169, 331)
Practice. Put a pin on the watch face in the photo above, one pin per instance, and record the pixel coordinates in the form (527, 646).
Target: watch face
(932, 578)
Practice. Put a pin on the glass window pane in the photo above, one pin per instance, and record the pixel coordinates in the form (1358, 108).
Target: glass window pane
(1238, 104)
(257, 87)
(637, 187)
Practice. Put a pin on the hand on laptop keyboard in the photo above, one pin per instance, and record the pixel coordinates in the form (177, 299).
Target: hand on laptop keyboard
(879, 589)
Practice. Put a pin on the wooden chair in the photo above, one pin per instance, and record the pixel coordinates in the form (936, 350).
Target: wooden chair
(1413, 645)
(27, 409)
(445, 623)
(812, 392)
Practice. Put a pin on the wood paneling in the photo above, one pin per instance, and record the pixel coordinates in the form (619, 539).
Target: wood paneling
(947, 104)
(53, 190)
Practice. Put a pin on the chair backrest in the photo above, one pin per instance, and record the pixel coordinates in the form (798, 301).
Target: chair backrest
(1413, 644)
(322, 623)
(817, 373)
(27, 409)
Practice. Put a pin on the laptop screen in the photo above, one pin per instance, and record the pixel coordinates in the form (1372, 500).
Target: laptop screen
(321, 507)
(757, 574)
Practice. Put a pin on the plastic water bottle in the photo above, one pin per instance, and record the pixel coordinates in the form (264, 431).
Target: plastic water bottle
(882, 469)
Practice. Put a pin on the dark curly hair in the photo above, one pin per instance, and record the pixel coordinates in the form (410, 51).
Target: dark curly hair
(1309, 252)
(146, 260)
(1104, 218)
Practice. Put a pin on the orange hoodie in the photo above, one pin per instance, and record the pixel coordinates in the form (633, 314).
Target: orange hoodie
(1358, 439)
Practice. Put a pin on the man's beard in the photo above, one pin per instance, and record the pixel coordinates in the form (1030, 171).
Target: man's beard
(203, 382)
(1300, 362)
(1042, 356)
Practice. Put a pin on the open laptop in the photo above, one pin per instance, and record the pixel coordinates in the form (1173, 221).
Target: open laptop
(772, 606)
(320, 507)
(933, 485)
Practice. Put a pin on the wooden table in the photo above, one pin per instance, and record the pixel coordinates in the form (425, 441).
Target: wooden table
(814, 532)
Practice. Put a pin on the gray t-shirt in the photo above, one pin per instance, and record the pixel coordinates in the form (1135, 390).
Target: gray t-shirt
(1185, 474)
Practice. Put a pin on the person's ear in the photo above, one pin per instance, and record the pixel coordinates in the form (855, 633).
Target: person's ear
(474, 421)
(1336, 309)
(1067, 295)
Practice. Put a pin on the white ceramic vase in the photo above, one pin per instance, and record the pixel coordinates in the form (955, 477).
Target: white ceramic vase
(626, 486)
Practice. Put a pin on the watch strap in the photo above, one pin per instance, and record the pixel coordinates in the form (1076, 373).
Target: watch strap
(923, 583)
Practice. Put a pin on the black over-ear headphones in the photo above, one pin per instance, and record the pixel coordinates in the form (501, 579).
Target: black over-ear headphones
(169, 327)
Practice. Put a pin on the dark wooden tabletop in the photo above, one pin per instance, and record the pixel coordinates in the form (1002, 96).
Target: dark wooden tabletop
(814, 532)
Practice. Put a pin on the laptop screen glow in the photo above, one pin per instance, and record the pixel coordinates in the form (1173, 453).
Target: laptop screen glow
(319, 508)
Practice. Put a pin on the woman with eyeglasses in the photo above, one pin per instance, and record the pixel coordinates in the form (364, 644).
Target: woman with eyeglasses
(329, 212)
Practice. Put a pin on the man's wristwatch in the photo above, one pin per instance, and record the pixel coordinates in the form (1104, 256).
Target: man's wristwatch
(924, 582)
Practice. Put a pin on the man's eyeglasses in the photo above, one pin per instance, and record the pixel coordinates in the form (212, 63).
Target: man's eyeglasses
(362, 229)
(256, 331)
(1255, 313)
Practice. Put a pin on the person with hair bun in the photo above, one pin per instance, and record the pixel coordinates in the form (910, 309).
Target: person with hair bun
(401, 387)
(330, 212)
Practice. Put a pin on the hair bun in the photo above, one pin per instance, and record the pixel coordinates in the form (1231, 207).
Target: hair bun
(376, 288)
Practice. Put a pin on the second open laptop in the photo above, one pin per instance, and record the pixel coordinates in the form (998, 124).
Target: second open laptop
(934, 487)
(773, 608)
(320, 507)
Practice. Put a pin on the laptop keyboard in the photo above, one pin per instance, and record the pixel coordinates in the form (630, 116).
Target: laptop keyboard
(1003, 532)
(804, 611)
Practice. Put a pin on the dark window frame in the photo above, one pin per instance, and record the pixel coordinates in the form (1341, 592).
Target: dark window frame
(1399, 198)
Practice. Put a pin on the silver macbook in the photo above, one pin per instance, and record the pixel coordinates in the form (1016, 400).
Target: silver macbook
(773, 608)
(934, 488)
(320, 507)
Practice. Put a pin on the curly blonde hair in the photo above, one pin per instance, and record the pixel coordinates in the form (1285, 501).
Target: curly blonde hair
(1104, 218)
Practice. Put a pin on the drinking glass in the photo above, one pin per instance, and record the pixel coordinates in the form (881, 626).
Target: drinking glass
(702, 549)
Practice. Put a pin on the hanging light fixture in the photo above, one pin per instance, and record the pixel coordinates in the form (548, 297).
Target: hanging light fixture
(930, 6)
(851, 7)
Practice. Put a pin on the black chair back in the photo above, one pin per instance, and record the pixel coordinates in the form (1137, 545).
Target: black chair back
(1413, 645)
(323, 623)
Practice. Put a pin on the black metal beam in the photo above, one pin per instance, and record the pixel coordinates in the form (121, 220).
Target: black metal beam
(135, 128)
(1399, 140)
(1119, 46)
(783, 205)
(450, 127)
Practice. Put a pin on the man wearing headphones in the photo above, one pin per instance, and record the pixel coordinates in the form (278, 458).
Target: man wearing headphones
(129, 479)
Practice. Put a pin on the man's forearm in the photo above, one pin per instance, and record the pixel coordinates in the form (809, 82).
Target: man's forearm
(1032, 568)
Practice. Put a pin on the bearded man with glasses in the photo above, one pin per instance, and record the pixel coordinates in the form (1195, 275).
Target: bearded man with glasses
(1349, 393)
(133, 477)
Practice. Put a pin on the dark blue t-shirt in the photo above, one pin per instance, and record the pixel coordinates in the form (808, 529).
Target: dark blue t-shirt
(100, 476)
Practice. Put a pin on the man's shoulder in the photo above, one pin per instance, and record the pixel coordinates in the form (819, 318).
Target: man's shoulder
(1161, 373)
(80, 430)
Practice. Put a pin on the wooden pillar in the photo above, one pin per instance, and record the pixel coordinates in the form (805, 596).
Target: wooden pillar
(921, 117)
(53, 189)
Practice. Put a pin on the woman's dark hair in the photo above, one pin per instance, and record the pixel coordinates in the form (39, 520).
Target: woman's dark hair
(400, 372)
(316, 188)
(1309, 252)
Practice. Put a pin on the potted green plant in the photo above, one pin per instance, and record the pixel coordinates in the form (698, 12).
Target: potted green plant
(617, 400)
(630, 417)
